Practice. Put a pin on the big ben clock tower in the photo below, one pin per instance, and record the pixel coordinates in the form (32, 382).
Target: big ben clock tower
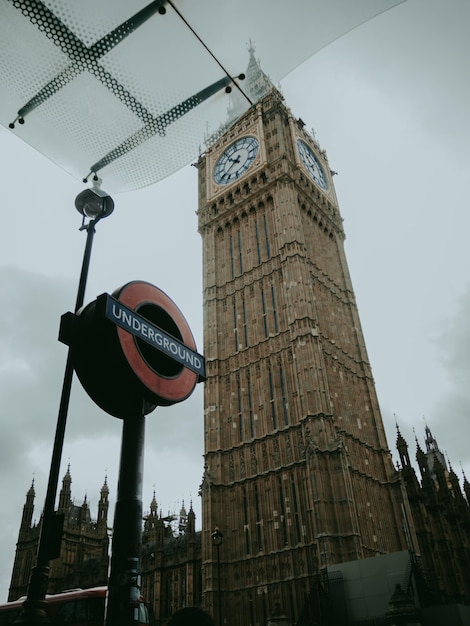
(298, 474)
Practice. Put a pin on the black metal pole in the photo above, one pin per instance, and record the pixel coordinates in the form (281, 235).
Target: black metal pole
(219, 593)
(217, 537)
(34, 606)
(124, 578)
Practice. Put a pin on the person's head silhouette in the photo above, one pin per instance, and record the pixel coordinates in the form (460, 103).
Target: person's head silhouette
(191, 616)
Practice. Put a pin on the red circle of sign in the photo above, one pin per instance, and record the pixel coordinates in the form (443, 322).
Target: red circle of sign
(134, 295)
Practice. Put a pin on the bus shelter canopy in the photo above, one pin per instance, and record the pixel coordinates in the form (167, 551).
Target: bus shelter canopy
(130, 91)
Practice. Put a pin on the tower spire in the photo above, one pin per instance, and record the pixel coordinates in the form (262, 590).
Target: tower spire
(103, 504)
(433, 453)
(65, 496)
(402, 447)
(28, 508)
(154, 505)
(183, 520)
(255, 85)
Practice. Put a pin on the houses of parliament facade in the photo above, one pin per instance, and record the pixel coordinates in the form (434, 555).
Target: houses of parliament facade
(298, 475)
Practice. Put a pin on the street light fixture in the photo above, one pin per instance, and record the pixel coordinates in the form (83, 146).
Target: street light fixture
(217, 538)
(94, 204)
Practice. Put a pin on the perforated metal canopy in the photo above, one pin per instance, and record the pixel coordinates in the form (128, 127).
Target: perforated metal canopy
(131, 90)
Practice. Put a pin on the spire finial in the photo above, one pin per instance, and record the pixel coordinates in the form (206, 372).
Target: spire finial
(463, 472)
(105, 488)
(31, 491)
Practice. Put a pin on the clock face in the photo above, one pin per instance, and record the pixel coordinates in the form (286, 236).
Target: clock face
(235, 160)
(312, 165)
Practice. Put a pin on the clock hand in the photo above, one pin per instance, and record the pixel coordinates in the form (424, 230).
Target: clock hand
(234, 162)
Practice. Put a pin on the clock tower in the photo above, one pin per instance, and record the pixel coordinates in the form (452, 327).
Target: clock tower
(298, 474)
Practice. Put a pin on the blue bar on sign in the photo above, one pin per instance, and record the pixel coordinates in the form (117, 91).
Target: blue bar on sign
(140, 327)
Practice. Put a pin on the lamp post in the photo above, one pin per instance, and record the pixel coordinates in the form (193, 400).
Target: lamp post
(94, 204)
(217, 538)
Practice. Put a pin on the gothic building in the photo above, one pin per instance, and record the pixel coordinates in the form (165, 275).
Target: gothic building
(83, 560)
(440, 520)
(171, 552)
(435, 567)
(171, 562)
(298, 472)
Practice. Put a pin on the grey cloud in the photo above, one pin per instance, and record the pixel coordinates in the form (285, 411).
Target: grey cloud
(452, 413)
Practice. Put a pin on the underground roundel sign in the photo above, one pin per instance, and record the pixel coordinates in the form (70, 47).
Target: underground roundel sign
(133, 350)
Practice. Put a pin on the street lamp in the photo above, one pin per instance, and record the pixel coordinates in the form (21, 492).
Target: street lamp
(217, 538)
(94, 204)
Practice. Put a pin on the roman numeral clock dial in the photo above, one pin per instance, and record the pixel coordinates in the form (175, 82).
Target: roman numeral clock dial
(235, 160)
(312, 165)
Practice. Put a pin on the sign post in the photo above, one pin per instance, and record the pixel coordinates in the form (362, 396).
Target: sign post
(142, 343)
(123, 600)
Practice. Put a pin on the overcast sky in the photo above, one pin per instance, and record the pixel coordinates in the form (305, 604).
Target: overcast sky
(390, 103)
